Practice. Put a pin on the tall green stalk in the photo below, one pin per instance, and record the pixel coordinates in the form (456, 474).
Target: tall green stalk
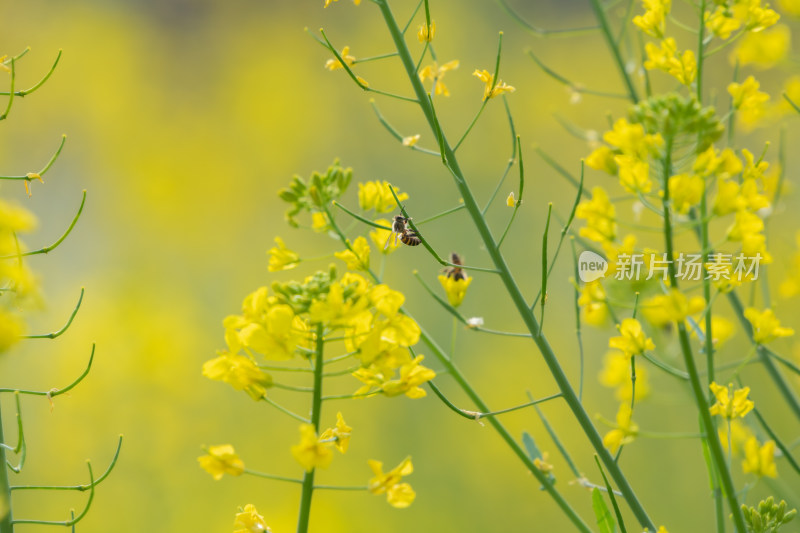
(698, 390)
(6, 523)
(316, 408)
(514, 292)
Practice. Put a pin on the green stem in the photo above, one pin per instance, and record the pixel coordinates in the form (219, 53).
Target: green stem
(5, 489)
(604, 26)
(316, 407)
(518, 299)
(699, 391)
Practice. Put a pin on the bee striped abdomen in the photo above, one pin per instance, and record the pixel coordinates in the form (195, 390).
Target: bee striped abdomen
(410, 238)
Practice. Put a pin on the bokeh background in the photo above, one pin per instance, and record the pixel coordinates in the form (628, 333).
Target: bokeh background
(184, 117)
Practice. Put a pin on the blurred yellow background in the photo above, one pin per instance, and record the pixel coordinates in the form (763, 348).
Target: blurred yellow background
(184, 117)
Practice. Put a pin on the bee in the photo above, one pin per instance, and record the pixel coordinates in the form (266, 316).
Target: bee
(455, 272)
(400, 231)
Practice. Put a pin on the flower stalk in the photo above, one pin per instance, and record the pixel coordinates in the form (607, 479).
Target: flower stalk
(316, 409)
(497, 258)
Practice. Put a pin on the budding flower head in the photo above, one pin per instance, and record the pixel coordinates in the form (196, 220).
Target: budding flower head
(511, 201)
(426, 33)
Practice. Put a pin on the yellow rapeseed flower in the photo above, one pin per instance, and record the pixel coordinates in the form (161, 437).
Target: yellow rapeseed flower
(455, 289)
(11, 328)
(380, 237)
(634, 174)
(740, 433)
(722, 22)
(412, 375)
(339, 435)
(625, 431)
(426, 33)
(221, 460)
(491, 88)
(240, 372)
(682, 67)
(335, 64)
(663, 309)
(600, 216)
(763, 49)
(766, 327)
(616, 374)
(722, 329)
(759, 460)
(249, 521)
(632, 140)
(398, 494)
(378, 196)
(310, 452)
(759, 18)
(730, 407)
(685, 191)
(748, 100)
(632, 339)
(592, 301)
(282, 258)
(653, 21)
(723, 165)
(435, 73)
(602, 158)
(358, 257)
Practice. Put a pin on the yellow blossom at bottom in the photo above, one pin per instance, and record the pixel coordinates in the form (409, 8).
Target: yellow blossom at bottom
(398, 494)
(221, 460)
(625, 431)
(759, 460)
(249, 521)
(310, 452)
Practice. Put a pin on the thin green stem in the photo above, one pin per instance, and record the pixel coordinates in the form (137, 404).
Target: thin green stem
(284, 410)
(52, 393)
(582, 417)
(10, 95)
(541, 32)
(272, 476)
(699, 391)
(442, 214)
(41, 82)
(6, 519)
(600, 14)
(316, 408)
(64, 328)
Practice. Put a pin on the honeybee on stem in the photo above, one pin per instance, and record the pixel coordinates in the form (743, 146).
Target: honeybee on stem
(455, 272)
(406, 235)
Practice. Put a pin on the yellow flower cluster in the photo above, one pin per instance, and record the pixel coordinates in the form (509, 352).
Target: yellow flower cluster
(681, 66)
(593, 303)
(14, 275)
(313, 452)
(744, 15)
(766, 327)
(266, 326)
(663, 309)
(627, 155)
(398, 494)
(653, 21)
(378, 196)
(600, 216)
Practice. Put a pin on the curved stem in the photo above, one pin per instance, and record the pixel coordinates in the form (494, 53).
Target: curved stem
(6, 519)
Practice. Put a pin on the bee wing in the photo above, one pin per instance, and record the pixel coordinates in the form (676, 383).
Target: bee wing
(385, 246)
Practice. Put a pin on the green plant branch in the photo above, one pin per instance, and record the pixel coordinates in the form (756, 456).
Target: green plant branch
(48, 249)
(541, 32)
(572, 85)
(511, 160)
(272, 476)
(21, 448)
(11, 91)
(40, 82)
(615, 52)
(284, 410)
(80, 488)
(778, 442)
(64, 328)
(316, 409)
(477, 415)
(795, 106)
(699, 391)
(52, 393)
(393, 131)
(6, 518)
(44, 168)
(546, 350)
(74, 519)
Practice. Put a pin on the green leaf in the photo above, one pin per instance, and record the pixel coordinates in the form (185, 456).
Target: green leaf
(604, 519)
